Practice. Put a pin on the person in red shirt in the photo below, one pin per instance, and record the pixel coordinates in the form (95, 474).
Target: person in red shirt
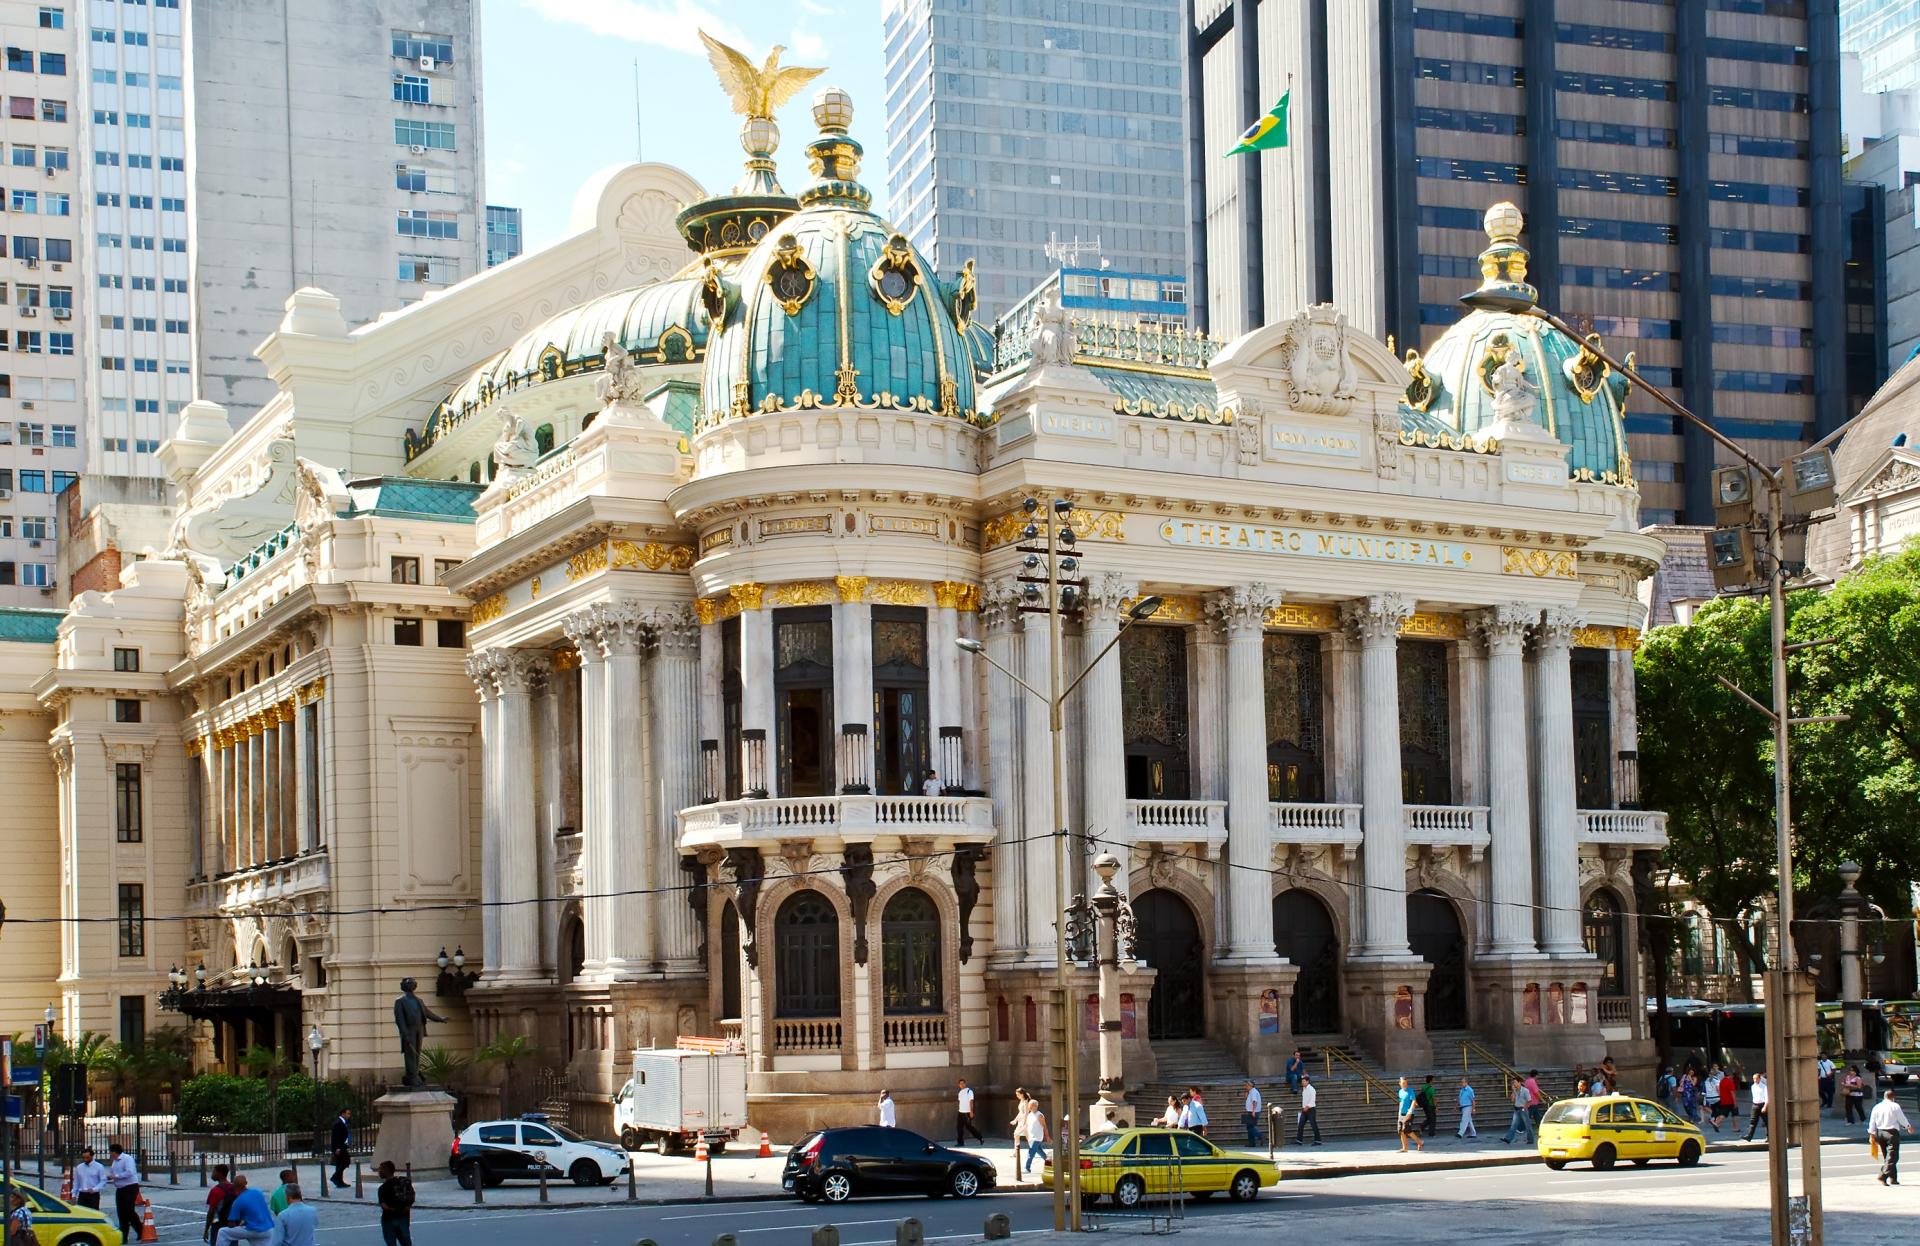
(217, 1199)
(1729, 1096)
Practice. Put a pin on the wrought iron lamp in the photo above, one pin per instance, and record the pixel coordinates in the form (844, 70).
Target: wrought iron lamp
(454, 977)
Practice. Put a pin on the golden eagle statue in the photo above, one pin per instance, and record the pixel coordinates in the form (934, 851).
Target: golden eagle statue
(756, 92)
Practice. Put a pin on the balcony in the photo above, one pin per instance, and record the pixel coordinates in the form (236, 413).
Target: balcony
(809, 1036)
(1615, 1010)
(731, 823)
(1448, 826)
(247, 890)
(1338, 825)
(1178, 822)
(1628, 828)
(910, 1033)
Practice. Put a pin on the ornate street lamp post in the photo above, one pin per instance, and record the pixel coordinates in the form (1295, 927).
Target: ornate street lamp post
(315, 1042)
(1114, 941)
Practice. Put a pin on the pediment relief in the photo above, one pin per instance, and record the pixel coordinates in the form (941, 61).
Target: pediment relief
(1897, 471)
(1315, 363)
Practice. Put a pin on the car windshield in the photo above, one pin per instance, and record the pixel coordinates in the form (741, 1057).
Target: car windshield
(1567, 1113)
(564, 1132)
(1100, 1144)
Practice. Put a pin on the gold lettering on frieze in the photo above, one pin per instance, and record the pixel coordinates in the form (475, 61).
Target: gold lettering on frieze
(717, 539)
(588, 562)
(956, 595)
(1174, 609)
(1546, 564)
(1424, 626)
(803, 593)
(653, 556)
(902, 593)
(1304, 617)
(915, 525)
(796, 523)
(1104, 525)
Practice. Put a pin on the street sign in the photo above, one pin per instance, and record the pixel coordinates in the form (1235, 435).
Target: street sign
(16, 1111)
(6, 1062)
(40, 1036)
(24, 1075)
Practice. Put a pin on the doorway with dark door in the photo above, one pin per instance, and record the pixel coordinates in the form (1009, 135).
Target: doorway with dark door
(1433, 931)
(1303, 933)
(901, 751)
(1168, 939)
(803, 700)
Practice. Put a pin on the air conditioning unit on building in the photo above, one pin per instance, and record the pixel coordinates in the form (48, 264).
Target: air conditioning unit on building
(29, 311)
(35, 543)
(58, 268)
(33, 261)
(417, 150)
(428, 64)
(50, 172)
(62, 313)
(5, 494)
(26, 406)
(47, 591)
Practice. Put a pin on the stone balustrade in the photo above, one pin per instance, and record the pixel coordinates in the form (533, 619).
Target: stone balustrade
(1177, 822)
(246, 890)
(917, 1031)
(1448, 826)
(732, 822)
(1631, 828)
(1297, 823)
(806, 1035)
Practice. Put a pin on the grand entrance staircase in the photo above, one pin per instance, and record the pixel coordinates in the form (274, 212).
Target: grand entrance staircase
(1356, 1092)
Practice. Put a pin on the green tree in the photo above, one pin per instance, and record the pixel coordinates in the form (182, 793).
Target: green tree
(269, 1063)
(506, 1051)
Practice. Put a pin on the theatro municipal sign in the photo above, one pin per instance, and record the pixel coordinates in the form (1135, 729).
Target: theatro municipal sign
(1306, 542)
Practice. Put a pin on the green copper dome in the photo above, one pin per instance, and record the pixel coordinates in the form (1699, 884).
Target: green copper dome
(835, 308)
(1498, 362)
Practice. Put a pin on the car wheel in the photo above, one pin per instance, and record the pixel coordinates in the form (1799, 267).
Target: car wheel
(630, 1138)
(965, 1183)
(1129, 1192)
(836, 1187)
(80, 1239)
(1604, 1155)
(1689, 1154)
(471, 1175)
(584, 1172)
(1245, 1187)
(1556, 1164)
(663, 1145)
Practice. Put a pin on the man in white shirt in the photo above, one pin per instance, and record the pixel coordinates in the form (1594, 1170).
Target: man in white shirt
(887, 1118)
(1884, 1126)
(963, 1105)
(932, 786)
(125, 1177)
(89, 1178)
(1309, 1112)
(1250, 1113)
(1826, 1071)
(1036, 1136)
(1759, 1092)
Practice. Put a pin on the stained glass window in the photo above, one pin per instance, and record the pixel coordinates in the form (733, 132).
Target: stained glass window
(910, 953)
(1592, 729)
(1295, 725)
(1426, 744)
(1153, 700)
(901, 748)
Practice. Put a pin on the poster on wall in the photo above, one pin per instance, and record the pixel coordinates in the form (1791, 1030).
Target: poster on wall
(1128, 1025)
(1269, 1011)
(1579, 1016)
(1530, 1004)
(1092, 1014)
(1403, 1008)
(1556, 1004)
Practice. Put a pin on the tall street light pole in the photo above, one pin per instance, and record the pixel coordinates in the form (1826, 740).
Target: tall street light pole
(1065, 1085)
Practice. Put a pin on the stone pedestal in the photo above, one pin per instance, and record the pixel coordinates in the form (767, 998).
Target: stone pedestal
(1253, 1014)
(1387, 1002)
(1097, 1114)
(1539, 1011)
(416, 1127)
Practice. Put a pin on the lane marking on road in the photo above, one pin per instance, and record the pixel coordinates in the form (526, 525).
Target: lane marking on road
(781, 1211)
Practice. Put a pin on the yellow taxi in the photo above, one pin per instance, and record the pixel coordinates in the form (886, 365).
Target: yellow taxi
(1129, 1165)
(57, 1222)
(1608, 1128)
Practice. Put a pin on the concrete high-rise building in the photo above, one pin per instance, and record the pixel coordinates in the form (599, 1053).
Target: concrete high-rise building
(40, 378)
(1009, 128)
(1679, 165)
(503, 234)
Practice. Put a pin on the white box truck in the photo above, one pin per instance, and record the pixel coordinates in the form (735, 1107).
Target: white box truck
(677, 1094)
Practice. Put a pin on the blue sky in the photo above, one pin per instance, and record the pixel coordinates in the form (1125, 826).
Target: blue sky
(559, 82)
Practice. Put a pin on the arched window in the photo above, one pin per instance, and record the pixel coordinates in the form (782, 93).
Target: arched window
(573, 948)
(1603, 932)
(473, 472)
(910, 954)
(807, 935)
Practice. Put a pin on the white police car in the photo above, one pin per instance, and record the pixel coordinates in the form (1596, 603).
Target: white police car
(521, 1150)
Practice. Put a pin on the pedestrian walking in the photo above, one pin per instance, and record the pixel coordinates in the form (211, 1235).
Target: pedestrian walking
(89, 1178)
(1522, 1122)
(342, 1144)
(1853, 1088)
(1664, 1087)
(1296, 1071)
(889, 1119)
(249, 1219)
(219, 1199)
(1408, 1103)
(1690, 1096)
(396, 1206)
(1536, 1102)
(124, 1174)
(1250, 1114)
(1710, 1092)
(1036, 1136)
(963, 1116)
(1019, 1124)
(1884, 1128)
(1610, 1075)
(1309, 1112)
(1429, 1108)
(297, 1225)
(1194, 1116)
(1759, 1092)
(1466, 1129)
(1728, 1100)
(1825, 1070)
(1170, 1116)
(277, 1201)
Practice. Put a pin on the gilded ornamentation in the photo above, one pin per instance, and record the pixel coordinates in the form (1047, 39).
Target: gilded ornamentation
(196, 745)
(1424, 626)
(566, 659)
(1554, 564)
(1449, 441)
(1304, 617)
(746, 596)
(1195, 413)
(1587, 371)
(652, 556)
(956, 595)
(704, 611)
(534, 588)
(1593, 638)
(852, 587)
(1106, 525)
(312, 692)
(789, 276)
(1420, 386)
(801, 593)
(895, 277)
(846, 391)
(966, 296)
(1175, 609)
(487, 609)
(718, 538)
(901, 593)
(1627, 638)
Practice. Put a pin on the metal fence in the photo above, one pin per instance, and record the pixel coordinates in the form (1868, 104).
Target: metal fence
(166, 1155)
(1143, 1191)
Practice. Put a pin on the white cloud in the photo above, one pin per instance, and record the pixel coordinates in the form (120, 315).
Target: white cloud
(816, 8)
(807, 48)
(663, 23)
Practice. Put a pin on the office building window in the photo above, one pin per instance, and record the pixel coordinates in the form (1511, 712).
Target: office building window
(415, 223)
(133, 920)
(406, 632)
(58, 203)
(431, 269)
(415, 47)
(66, 436)
(33, 480)
(402, 570)
(430, 134)
(33, 527)
(26, 155)
(126, 659)
(126, 802)
(52, 18)
(20, 60)
(126, 711)
(411, 89)
(1619, 38)
(59, 343)
(20, 108)
(53, 63)
(133, 1021)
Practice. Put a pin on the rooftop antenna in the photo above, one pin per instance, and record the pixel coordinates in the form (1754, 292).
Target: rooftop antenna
(1069, 253)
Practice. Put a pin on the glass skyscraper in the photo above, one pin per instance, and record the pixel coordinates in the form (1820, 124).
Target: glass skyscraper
(1015, 123)
(1885, 35)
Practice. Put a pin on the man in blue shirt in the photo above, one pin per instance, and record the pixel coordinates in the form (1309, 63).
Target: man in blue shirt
(1409, 1103)
(297, 1224)
(252, 1222)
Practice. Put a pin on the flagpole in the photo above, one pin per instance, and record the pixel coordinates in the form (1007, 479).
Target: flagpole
(1302, 283)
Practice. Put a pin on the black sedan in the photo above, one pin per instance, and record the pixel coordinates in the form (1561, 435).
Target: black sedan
(835, 1164)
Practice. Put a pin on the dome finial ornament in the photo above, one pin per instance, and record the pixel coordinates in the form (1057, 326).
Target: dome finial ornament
(755, 91)
(1503, 265)
(835, 155)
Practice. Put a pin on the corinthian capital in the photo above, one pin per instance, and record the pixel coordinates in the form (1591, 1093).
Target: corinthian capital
(1000, 603)
(520, 670)
(1556, 628)
(1503, 629)
(676, 630)
(1376, 619)
(624, 628)
(1108, 593)
(480, 669)
(1242, 609)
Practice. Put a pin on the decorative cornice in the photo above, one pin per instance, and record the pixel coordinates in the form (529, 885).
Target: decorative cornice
(1557, 564)
(901, 593)
(1104, 525)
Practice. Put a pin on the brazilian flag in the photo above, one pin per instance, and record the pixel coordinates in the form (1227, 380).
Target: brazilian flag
(1268, 132)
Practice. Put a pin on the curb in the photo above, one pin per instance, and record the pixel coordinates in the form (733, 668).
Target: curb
(687, 1201)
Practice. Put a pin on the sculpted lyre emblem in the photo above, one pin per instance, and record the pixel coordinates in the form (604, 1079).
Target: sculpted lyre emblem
(1320, 375)
(755, 91)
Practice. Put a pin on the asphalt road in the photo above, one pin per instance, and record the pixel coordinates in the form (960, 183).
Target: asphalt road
(1722, 1200)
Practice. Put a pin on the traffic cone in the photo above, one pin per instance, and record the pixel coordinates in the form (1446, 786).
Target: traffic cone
(700, 1150)
(766, 1146)
(148, 1233)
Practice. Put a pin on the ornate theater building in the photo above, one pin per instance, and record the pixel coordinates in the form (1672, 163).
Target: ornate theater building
(596, 619)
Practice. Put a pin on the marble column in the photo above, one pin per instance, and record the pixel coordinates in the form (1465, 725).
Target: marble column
(756, 693)
(1036, 666)
(712, 710)
(303, 828)
(1241, 614)
(289, 781)
(853, 686)
(583, 628)
(999, 619)
(548, 818)
(269, 745)
(944, 706)
(249, 823)
(676, 763)
(1104, 742)
(1559, 846)
(1375, 623)
(1207, 710)
(222, 805)
(1503, 630)
(630, 842)
(517, 673)
(480, 664)
(1340, 702)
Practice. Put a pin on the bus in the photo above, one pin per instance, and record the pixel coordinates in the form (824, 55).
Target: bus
(1890, 1029)
(1731, 1035)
